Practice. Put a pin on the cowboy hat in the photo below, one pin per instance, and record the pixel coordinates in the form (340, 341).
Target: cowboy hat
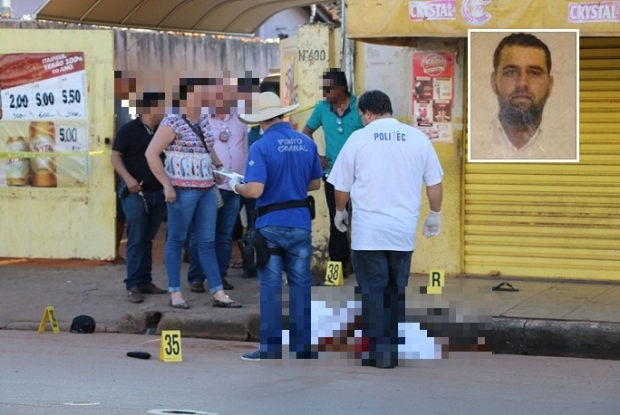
(269, 106)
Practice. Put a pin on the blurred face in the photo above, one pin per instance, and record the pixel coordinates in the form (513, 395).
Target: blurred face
(522, 84)
(123, 87)
(198, 98)
(216, 94)
(330, 91)
(223, 96)
(157, 111)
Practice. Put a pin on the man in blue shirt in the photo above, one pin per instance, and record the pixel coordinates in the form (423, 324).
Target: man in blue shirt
(282, 167)
(338, 116)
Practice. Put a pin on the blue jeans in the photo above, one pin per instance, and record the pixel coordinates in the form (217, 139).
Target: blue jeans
(226, 219)
(382, 277)
(296, 253)
(198, 209)
(142, 227)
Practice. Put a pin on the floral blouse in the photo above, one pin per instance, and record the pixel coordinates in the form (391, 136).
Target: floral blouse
(187, 162)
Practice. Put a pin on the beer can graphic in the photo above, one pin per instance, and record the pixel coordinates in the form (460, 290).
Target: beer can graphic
(17, 168)
(42, 140)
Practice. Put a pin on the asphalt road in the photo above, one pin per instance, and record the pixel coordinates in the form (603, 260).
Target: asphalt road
(58, 374)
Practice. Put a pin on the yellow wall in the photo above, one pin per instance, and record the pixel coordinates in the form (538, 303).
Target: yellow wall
(315, 40)
(67, 222)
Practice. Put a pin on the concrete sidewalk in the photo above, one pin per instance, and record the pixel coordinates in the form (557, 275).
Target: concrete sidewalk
(547, 317)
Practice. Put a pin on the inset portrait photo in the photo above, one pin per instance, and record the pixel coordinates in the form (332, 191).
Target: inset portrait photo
(523, 103)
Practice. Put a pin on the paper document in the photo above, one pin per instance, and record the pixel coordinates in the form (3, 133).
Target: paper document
(230, 175)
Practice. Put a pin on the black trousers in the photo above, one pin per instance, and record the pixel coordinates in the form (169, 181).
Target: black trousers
(338, 247)
(382, 309)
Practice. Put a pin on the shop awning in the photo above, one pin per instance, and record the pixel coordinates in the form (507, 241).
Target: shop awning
(203, 16)
(387, 21)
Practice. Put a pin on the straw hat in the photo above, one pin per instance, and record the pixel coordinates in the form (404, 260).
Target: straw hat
(269, 106)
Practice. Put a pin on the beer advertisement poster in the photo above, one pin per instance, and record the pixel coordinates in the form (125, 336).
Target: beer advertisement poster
(43, 120)
(433, 94)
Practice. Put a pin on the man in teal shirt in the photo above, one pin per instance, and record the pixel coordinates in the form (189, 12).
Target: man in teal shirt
(337, 114)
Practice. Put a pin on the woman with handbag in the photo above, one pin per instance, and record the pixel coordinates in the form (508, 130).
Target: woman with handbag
(189, 188)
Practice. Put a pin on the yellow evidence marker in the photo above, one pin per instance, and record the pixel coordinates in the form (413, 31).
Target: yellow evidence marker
(436, 281)
(170, 350)
(49, 314)
(334, 274)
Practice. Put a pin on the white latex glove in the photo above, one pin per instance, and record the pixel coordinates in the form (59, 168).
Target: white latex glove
(432, 224)
(341, 220)
(235, 180)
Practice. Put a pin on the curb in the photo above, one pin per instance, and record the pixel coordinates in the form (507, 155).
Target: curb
(594, 340)
(536, 337)
(240, 327)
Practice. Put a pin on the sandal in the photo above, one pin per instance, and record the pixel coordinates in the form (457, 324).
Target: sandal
(182, 305)
(508, 287)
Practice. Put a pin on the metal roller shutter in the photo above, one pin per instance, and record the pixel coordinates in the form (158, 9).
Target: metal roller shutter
(548, 220)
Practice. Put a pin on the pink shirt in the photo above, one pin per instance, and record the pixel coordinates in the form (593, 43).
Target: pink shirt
(187, 162)
(233, 153)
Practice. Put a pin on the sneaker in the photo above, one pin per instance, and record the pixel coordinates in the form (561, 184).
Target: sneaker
(150, 288)
(252, 356)
(134, 296)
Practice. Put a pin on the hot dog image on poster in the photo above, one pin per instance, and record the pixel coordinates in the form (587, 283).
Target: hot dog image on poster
(433, 94)
(43, 121)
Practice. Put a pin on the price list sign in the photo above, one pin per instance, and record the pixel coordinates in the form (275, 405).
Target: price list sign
(42, 86)
(43, 120)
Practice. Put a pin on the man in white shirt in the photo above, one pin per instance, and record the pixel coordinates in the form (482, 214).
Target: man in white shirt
(381, 168)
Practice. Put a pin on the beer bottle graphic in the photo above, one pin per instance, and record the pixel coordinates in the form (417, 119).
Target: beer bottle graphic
(42, 140)
(17, 168)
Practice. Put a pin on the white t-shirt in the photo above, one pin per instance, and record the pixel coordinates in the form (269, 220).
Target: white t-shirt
(383, 166)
